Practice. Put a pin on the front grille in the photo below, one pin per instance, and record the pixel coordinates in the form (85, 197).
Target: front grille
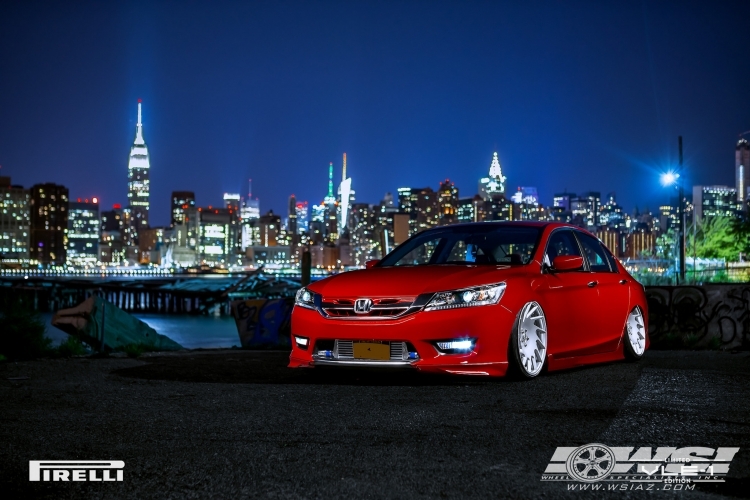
(344, 350)
(382, 308)
(398, 351)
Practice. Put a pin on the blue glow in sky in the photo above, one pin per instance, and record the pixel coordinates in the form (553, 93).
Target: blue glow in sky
(573, 95)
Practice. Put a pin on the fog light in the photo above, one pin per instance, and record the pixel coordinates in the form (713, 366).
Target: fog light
(325, 354)
(455, 346)
(301, 342)
(413, 355)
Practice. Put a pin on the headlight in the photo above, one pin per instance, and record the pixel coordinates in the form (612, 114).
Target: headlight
(305, 298)
(467, 297)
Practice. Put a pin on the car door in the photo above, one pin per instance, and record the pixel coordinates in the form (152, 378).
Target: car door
(568, 299)
(613, 296)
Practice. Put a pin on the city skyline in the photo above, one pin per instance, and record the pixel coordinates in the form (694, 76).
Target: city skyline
(418, 105)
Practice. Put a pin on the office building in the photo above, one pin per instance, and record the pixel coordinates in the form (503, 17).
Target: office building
(15, 223)
(715, 201)
(215, 246)
(562, 200)
(182, 203)
(49, 223)
(421, 204)
(447, 202)
(83, 232)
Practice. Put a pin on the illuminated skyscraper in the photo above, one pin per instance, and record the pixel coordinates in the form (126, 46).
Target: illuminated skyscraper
(303, 224)
(742, 169)
(331, 222)
(715, 201)
(494, 185)
(448, 202)
(14, 222)
(232, 201)
(346, 197)
(83, 232)
(138, 179)
(182, 203)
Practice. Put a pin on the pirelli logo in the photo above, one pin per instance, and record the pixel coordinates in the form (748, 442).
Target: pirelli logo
(78, 470)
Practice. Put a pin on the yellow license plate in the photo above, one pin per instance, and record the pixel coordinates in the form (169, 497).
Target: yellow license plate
(368, 350)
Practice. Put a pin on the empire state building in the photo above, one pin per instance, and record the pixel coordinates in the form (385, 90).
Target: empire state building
(138, 179)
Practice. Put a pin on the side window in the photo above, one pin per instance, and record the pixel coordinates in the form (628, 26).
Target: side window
(562, 242)
(595, 253)
(612, 260)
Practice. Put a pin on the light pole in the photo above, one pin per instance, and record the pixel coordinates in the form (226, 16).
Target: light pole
(668, 179)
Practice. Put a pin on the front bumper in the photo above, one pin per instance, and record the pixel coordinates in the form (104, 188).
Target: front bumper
(489, 325)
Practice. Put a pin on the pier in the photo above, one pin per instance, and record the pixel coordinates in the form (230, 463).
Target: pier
(168, 295)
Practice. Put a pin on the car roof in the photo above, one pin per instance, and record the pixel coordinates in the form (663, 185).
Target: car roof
(514, 223)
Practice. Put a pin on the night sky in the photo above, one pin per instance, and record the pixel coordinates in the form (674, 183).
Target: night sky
(577, 95)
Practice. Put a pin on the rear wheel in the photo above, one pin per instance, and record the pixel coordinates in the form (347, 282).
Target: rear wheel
(528, 343)
(635, 335)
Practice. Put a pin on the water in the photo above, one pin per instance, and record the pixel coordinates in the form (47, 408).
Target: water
(192, 332)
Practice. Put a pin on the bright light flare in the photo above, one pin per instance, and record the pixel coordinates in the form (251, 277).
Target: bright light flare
(669, 178)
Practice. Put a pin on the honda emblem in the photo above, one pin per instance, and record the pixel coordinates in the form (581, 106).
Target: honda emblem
(362, 306)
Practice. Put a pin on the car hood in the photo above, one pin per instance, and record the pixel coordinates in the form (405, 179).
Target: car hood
(412, 281)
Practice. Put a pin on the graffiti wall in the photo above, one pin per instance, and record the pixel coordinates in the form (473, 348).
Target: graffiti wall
(707, 316)
(263, 323)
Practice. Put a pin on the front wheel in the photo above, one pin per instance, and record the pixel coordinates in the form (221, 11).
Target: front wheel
(528, 342)
(635, 335)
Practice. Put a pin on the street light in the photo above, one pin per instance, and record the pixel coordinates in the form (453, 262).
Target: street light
(671, 178)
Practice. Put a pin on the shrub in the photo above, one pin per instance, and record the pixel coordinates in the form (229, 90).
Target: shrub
(135, 350)
(22, 331)
(71, 347)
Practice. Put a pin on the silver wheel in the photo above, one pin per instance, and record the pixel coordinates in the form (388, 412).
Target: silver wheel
(532, 339)
(636, 332)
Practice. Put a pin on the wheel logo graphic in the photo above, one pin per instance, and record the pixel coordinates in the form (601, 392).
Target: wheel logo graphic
(590, 463)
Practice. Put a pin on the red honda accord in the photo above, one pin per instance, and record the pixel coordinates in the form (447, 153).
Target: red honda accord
(486, 298)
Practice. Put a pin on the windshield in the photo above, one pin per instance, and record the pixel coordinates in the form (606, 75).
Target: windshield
(480, 244)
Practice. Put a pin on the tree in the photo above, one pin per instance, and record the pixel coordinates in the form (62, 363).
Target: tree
(715, 238)
(740, 231)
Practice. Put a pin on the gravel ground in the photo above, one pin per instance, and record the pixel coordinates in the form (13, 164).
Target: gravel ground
(238, 424)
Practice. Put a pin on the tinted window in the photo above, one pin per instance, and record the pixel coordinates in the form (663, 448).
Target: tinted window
(612, 260)
(595, 254)
(562, 242)
(480, 244)
(420, 254)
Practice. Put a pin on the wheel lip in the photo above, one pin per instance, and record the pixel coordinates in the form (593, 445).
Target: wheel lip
(569, 463)
(530, 305)
(638, 351)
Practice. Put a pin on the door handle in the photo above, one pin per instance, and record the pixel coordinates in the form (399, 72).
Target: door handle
(623, 282)
(592, 284)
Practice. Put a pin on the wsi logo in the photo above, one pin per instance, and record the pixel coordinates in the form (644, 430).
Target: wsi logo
(79, 470)
(596, 462)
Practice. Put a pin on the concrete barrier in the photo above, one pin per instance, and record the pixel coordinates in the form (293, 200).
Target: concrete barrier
(707, 316)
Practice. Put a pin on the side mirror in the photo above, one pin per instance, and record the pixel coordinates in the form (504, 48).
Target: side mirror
(371, 263)
(567, 263)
